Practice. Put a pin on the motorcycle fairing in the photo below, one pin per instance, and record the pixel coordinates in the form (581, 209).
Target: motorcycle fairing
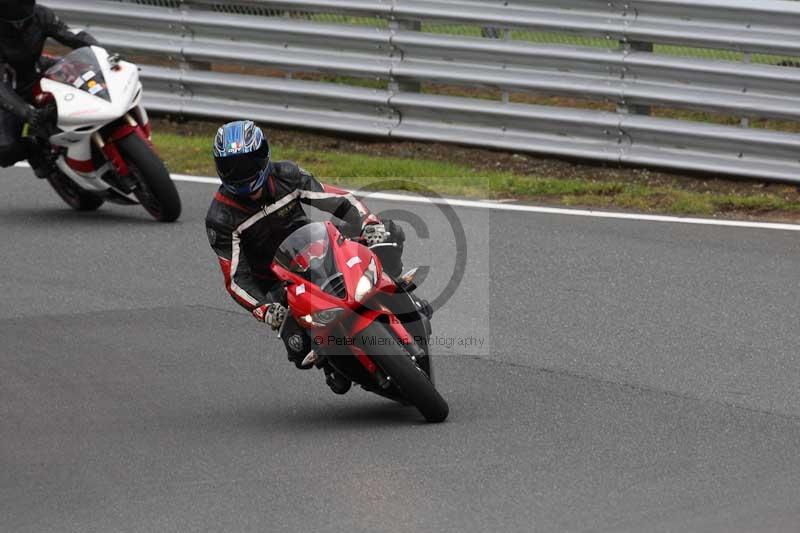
(306, 292)
(81, 114)
(308, 258)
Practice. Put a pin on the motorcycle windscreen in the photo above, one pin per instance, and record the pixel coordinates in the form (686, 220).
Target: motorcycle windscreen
(307, 253)
(80, 69)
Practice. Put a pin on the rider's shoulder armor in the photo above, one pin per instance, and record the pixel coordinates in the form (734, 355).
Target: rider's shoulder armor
(290, 172)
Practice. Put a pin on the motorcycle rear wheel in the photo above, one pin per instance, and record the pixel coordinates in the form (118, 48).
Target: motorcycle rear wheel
(73, 195)
(393, 359)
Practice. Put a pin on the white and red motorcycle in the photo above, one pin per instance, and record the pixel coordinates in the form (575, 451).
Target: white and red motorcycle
(101, 145)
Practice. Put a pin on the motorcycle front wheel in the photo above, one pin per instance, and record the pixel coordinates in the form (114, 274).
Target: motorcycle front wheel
(156, 190)
(396, 363)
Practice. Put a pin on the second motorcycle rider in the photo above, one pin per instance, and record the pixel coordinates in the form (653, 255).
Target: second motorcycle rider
(24, 27)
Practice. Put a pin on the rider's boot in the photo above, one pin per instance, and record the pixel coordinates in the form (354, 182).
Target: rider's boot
(298, 350)
(337, 382)
(423, 305)
(40, 158)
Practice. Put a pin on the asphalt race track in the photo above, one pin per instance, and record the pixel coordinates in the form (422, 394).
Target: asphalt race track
(603, 375)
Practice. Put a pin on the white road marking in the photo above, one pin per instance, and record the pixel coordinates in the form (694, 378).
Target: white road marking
(505, 206)
(195, 179)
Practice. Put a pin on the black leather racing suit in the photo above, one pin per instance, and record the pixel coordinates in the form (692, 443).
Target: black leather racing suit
(20, 52)
(245, 235)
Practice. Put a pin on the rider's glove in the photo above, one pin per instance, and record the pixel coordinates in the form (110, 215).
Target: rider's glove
(374, 234)
(271, 314)
(39, 120)
(87, 39)
(46, 61)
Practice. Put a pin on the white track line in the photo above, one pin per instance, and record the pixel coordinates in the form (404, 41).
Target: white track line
(498, 206)
(195, 179)
(504, 206)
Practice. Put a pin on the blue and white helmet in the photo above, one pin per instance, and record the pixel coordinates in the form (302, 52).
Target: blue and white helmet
(241, 153)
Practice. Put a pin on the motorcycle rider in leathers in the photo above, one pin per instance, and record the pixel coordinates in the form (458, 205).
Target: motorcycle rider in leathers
(24, 27)
(257, 206)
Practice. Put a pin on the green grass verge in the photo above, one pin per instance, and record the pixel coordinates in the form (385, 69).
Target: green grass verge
(191, 155)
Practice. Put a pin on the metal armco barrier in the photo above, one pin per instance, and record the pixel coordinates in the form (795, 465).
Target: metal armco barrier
(317, 36)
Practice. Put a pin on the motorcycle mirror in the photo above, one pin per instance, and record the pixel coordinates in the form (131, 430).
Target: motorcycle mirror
(114, 60)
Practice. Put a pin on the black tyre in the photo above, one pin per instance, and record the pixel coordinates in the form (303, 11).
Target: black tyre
(393, 359)
(156, 191)
(73, 195)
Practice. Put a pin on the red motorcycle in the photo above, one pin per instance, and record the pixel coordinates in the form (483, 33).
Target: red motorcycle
(363, 323)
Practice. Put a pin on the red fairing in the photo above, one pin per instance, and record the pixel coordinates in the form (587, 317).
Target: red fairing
(80, 166)
(305, 298)
(385, 284)
(365, 317)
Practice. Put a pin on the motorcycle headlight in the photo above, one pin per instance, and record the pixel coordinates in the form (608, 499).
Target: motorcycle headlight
(322, 318)
(367, 281)
(365, 285)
